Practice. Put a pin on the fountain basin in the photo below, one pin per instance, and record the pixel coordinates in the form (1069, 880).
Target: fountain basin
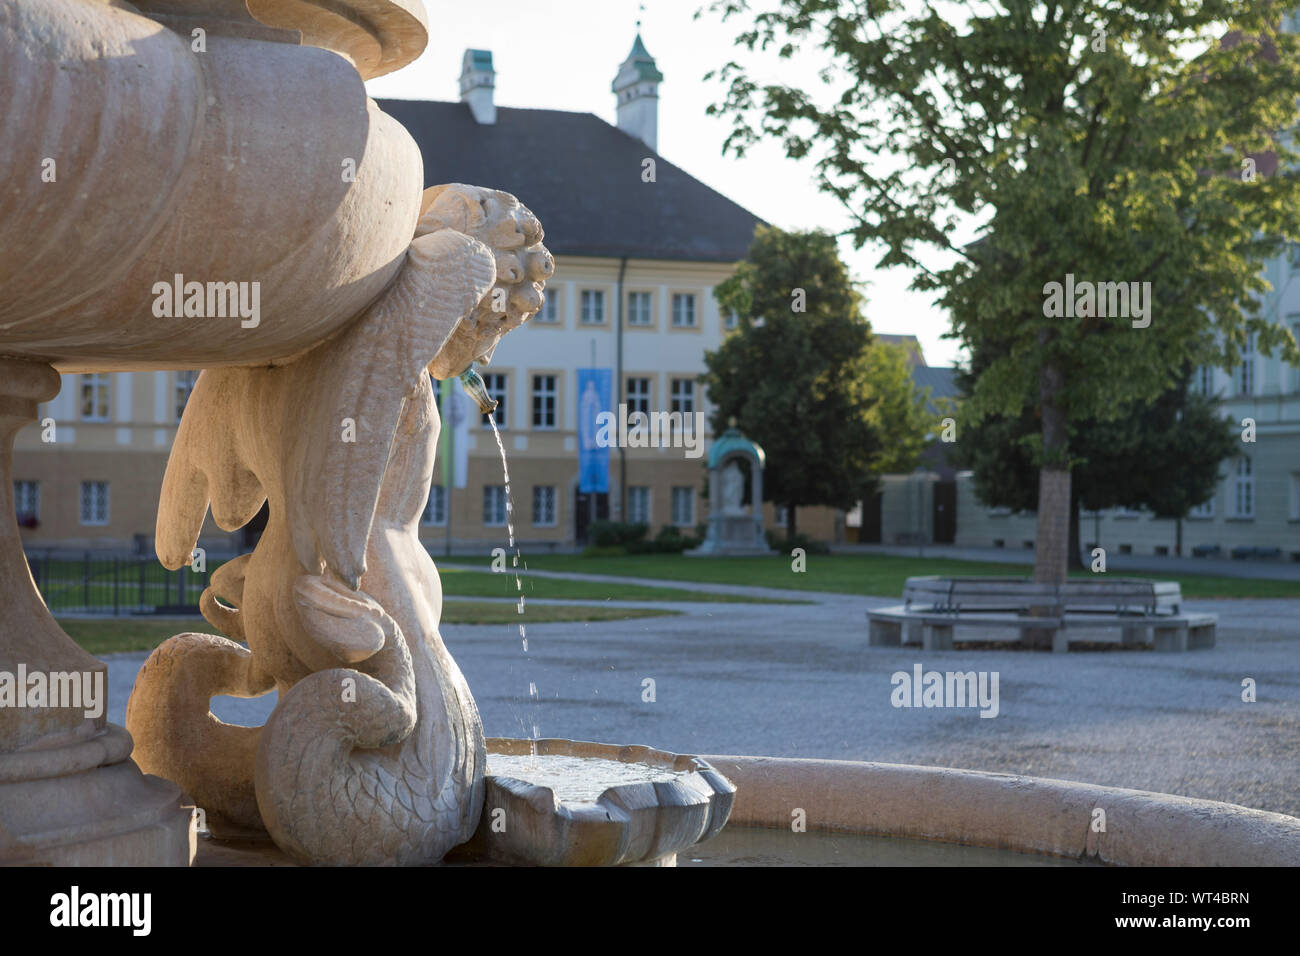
(1029, 815)
(649, 807)
(878, 814)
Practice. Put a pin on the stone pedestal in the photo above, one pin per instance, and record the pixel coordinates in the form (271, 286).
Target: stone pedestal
(69, 793)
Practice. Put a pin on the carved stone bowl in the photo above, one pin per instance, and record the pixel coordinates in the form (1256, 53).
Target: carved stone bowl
(643, 824)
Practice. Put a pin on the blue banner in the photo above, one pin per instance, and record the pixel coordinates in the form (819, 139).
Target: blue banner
(593, 456)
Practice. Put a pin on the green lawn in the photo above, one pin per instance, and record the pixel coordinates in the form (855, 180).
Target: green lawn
(115, 635)
(476, 584)
(870, 574)
(63, 585)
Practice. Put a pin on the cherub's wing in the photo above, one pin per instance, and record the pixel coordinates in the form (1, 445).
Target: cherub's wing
(364, 375)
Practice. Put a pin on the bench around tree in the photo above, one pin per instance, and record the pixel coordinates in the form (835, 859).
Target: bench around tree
(1144, 611)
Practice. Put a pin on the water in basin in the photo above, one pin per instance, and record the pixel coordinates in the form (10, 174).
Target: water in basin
(576, 780)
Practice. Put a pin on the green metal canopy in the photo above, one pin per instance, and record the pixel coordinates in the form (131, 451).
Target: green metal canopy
(732, 441)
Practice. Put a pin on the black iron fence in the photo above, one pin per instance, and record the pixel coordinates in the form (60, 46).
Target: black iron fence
(92, 582)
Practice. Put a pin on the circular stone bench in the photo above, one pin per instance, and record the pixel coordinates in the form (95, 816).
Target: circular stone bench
(1143, 611)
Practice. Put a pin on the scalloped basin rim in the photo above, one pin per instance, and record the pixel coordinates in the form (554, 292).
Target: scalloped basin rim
(697, 775)
(630, 823)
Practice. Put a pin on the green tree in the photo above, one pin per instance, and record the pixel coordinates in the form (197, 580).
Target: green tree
(1164, 456)
(900, 414)
(801, 376)
(1084, 138)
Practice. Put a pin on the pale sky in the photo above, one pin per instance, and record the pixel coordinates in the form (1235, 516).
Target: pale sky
(563, 54)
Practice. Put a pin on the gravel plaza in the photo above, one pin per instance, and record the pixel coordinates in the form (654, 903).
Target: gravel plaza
(799, 680)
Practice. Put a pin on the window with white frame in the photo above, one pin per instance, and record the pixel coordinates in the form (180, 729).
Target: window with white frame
(683, 395)
(684, 506)
(1204, 510)
(683, 400)
(593, 306)
(544, 397)
(544, 506)
(638, 504)
(94, 502)
(27, 499)
(1204, 380)
(1243, 489)
(435, 507)
(495, 383)
(184, 385)
(94, 398)
(550, 310)
(683, 310)
(638, 308)
(781, 516)
(638, 394)
(731, 320)
(1246, 373)
(494, 505)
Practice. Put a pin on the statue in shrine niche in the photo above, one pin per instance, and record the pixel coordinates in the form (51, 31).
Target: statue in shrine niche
(733, 489)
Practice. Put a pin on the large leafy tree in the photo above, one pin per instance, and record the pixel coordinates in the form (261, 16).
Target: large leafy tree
(1112, 142)
(1164, 456)
(801, 375)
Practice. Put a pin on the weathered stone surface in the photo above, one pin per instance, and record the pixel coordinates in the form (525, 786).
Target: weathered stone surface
(69, 794)
(204, 184)
(374, 753)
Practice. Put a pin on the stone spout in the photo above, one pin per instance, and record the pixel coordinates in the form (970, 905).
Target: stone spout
(476, 390)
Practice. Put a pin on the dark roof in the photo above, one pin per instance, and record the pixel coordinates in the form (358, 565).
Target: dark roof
(582, 178)
(938, 379)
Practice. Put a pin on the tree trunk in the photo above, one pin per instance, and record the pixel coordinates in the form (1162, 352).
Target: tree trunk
(790, 523)
(1074, 560)
(1052, 543)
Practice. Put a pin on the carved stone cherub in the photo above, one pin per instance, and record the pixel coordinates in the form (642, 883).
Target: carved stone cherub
(375, 751)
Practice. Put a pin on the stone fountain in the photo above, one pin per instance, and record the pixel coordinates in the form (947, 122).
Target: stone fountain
(205, 184)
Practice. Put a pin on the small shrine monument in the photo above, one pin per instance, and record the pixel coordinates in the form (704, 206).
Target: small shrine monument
(734, 528)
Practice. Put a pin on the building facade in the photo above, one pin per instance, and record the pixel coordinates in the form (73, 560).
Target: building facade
(639, 247)
(1257, 502)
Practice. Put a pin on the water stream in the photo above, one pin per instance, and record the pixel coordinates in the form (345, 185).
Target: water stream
(519, 587)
